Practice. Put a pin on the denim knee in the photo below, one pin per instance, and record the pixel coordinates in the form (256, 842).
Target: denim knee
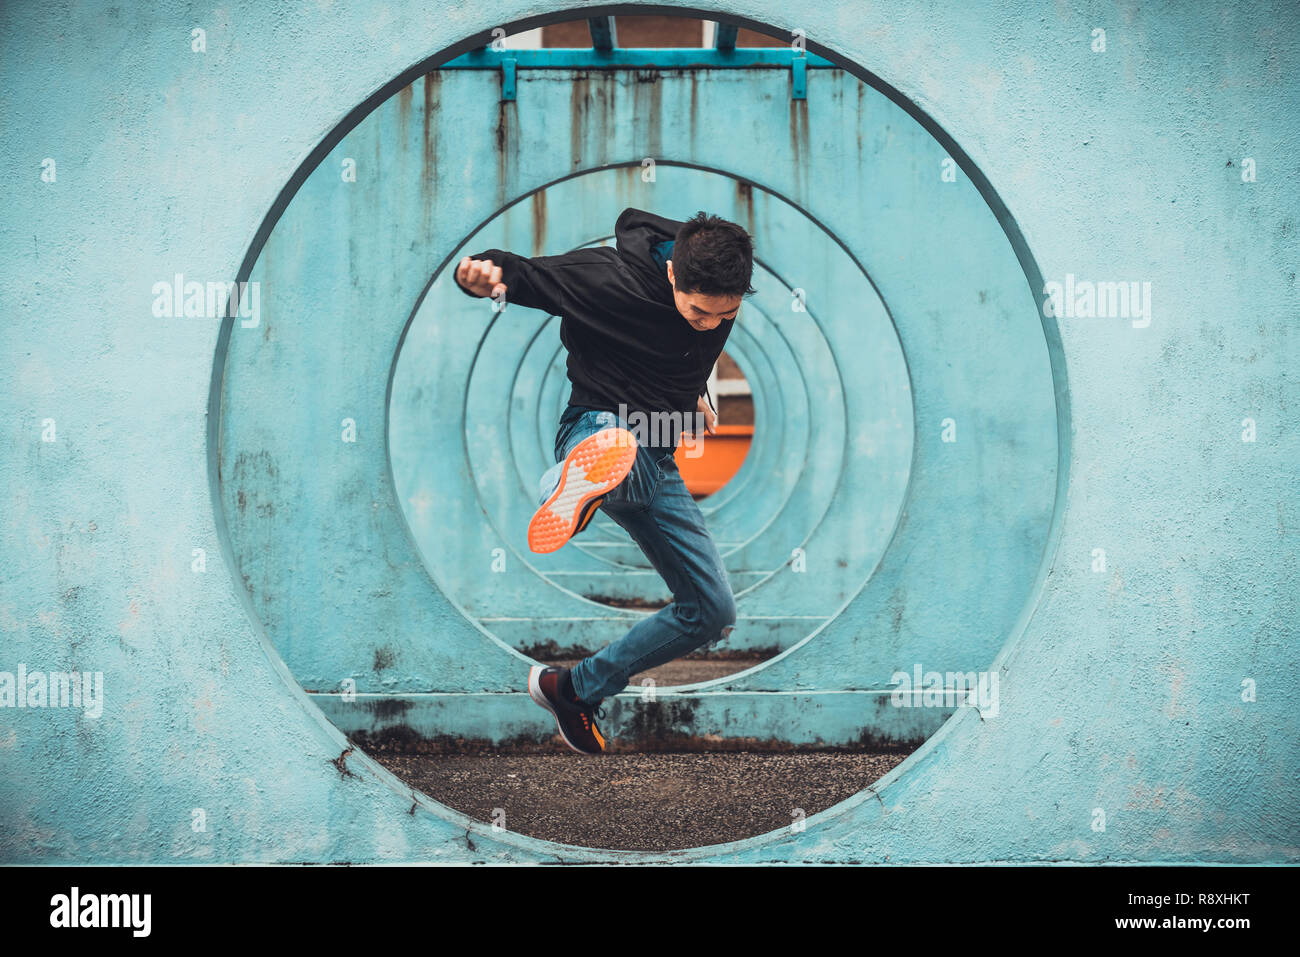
(574, 430)
(713, 616)
(549, 480)
(721, 614)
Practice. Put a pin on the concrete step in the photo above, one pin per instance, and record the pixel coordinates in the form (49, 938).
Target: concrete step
(762, 635)
(645, 720)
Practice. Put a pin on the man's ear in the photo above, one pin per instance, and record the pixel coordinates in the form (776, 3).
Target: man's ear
(669, 264)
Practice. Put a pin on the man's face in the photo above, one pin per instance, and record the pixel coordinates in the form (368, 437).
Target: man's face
(703, 311)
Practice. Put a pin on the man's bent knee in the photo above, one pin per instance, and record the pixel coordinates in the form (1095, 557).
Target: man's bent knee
(717, 616)
(724, 623)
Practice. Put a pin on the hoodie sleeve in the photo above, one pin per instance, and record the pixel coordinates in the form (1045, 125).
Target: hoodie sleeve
(536, 283)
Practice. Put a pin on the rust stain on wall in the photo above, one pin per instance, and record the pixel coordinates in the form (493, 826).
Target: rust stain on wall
(539, 221)
(431, 145)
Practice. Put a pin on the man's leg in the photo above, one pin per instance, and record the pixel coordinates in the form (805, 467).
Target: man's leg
(550, 687)
(578, 423)
(670, 530)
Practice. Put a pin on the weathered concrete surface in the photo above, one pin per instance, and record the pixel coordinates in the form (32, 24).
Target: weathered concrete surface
(444, 455)
(1121, 691)
(311, 521)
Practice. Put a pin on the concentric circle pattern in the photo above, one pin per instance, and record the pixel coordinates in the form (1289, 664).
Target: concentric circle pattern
(891, 515)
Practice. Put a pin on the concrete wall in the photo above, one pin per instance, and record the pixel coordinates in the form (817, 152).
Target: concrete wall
(1121, 690)
(474, 397)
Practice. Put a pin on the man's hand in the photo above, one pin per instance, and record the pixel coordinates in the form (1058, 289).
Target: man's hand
(710, 420)
(481, 277)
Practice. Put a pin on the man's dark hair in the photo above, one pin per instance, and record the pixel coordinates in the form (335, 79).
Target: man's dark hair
(713, 256)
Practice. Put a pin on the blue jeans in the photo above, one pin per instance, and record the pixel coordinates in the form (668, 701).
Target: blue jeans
(655, 509)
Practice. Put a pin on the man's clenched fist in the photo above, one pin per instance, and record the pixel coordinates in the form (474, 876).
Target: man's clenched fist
(482, 277)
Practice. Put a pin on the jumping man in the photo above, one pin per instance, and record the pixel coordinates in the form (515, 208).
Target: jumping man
(643, 324)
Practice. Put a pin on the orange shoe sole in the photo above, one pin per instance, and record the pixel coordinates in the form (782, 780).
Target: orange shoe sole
(595, 466)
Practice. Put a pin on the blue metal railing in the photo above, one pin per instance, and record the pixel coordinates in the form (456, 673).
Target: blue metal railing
(671, 58)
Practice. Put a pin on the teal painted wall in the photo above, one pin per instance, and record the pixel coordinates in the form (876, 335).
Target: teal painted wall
(1121, 689)
(469, 434)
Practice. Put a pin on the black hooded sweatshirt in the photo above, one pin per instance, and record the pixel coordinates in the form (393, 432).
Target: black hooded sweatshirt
(627, 343)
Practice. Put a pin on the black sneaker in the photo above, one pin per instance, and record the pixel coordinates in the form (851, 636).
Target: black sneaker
(551, 688)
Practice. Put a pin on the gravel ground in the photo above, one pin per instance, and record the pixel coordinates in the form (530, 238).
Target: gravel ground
(686, 795)
(641, 801)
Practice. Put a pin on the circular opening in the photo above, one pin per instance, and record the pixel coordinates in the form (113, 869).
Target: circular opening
(777, 510)
(721, 455)
(266, 489)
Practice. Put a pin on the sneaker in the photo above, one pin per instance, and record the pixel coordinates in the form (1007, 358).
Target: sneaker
(550, 688)
(595, 466)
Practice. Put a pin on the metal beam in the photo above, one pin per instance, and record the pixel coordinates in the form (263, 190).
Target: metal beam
(682, 58)
(508, 78)
(603, 36)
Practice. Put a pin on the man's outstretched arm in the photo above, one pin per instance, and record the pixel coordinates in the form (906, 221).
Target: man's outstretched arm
(528, 282)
